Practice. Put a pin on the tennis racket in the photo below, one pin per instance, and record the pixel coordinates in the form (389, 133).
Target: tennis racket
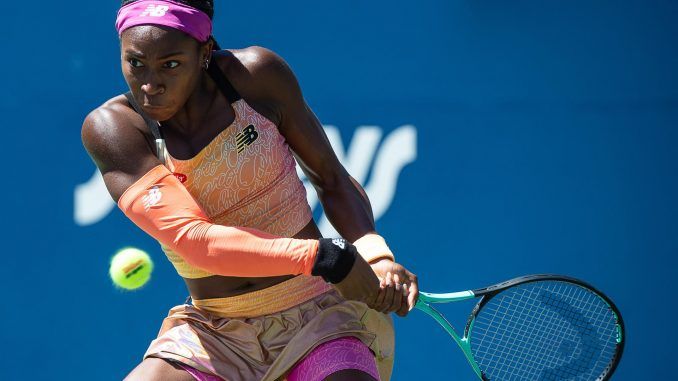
(537, 328)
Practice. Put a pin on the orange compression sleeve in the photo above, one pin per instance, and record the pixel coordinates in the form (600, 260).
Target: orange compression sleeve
(162, 207)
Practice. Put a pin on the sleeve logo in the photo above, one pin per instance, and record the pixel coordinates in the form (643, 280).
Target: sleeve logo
(152, 198)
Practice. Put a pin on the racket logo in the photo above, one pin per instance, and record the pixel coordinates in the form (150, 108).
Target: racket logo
(584, 360)
(154, 11)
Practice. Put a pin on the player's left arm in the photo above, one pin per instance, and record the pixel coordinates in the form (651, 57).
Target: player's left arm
(344, 200)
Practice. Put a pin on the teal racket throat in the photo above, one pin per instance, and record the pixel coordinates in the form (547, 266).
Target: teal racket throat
(424, 304)
(537, 327)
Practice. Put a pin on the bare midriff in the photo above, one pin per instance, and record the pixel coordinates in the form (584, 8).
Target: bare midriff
(225, 286)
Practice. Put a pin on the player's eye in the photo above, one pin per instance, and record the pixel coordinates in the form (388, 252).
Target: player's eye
(135, 62)
(171, 64)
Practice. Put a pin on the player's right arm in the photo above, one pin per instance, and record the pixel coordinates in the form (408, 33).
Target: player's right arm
(160, 205)
(114, 138)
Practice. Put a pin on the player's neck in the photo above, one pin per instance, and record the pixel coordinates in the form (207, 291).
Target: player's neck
(196, 110)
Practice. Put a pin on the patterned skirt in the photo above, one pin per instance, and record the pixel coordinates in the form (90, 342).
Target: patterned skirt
(261, 335)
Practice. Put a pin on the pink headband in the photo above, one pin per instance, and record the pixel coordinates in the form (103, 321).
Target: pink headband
(189, 20)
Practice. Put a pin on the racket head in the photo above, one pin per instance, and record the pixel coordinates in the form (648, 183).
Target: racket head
(545, 327)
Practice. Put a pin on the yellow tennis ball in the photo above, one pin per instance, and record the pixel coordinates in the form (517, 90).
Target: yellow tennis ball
(130, 268)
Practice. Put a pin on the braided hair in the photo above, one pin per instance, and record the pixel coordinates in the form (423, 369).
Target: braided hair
(206, 6)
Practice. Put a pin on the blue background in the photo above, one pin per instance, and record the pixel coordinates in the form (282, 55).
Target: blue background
(546, 142)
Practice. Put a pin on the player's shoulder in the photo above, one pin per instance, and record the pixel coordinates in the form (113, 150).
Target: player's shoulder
(113, 122)
(257, 59)
(256, 68)
(113, 117)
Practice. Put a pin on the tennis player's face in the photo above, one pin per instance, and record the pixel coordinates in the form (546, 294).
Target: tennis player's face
(162, 67)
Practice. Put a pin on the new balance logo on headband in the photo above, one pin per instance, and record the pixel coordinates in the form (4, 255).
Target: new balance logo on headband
(154, 11)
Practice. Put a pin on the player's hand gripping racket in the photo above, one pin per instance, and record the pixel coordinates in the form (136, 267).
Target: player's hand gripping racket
(537, 328)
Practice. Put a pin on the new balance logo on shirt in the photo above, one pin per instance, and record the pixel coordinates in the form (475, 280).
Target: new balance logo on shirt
(246, 137)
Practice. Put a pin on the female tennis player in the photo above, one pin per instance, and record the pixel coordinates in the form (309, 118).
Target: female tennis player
(200, 155)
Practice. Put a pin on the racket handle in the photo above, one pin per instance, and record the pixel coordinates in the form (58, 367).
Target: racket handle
(428, 297)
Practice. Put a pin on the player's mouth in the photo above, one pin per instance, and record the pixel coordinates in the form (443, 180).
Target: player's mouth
(157, 112)
(153, 107)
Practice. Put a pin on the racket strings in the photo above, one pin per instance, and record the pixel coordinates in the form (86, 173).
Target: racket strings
(545, 330)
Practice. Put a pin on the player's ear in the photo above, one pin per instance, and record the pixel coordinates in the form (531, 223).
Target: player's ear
(206, 51)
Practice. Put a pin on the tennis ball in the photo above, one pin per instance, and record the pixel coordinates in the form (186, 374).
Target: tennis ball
(130, 268)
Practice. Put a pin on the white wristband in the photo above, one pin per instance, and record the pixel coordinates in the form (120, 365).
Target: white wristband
(373, 246)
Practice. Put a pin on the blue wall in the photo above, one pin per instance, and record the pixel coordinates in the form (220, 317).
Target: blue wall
(546, 141)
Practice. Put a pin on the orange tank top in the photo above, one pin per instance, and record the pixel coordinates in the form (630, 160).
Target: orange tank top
(247, 177)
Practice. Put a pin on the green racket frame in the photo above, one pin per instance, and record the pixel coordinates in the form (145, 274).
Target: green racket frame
(426, 299)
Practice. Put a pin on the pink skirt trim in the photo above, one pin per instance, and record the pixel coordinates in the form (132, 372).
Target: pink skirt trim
(333, 356)
(330, 357)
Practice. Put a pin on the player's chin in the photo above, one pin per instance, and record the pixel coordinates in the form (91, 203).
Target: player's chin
(159, 113)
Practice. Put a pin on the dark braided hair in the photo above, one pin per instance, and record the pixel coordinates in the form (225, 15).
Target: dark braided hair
(207, 6)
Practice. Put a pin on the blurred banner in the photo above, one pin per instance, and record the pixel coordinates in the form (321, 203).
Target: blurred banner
(494, 138)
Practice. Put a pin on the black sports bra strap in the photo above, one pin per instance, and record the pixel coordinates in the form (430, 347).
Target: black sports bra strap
(222, 82)
(152, 124)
